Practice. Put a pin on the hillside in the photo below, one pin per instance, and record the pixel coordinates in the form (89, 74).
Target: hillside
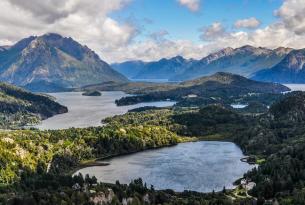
(20, 107)
(55, 60)
(290, 70)
(218, 87)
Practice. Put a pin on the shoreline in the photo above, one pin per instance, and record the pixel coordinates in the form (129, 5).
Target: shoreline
(98, 162)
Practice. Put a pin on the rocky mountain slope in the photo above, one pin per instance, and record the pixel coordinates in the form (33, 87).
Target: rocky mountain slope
(290, 70)
(53, 59)
(243, 61)
(162, 69)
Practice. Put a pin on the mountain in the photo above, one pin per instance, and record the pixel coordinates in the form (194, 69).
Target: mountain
(164, 68)
(54, 59)
(129, 68)
(3, 48)
(290, 70)
(220, 87)
(243, 61)
(19, 107)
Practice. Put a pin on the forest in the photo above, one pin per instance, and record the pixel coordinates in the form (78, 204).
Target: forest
(37, 165)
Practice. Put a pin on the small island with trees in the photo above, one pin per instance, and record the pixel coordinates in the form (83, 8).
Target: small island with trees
(92, 93)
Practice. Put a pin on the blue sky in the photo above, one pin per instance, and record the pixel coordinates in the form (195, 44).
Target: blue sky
(181, 23)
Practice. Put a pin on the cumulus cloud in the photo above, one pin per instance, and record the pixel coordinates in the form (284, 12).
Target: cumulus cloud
(151, 50)
(86, 21)
(213, 31)
(89, 23)
(192, 5)
(249, 23)
(292, 13)
(159, 35)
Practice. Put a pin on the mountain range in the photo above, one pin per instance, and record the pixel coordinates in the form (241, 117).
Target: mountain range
(162, 69)
(290, 70)
(53, 61)
(245, 61)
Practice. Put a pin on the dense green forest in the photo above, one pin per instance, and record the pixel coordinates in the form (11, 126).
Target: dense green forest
(275, 139)
(19, 107)
(36, 165)
(62, 150)
(222, 88)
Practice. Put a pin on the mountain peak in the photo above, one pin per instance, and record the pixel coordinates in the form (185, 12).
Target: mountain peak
(248, 47)
(225, 51)
(55, 59)
(295, 60)
(178, 58)
(283, 50)
(52, 36)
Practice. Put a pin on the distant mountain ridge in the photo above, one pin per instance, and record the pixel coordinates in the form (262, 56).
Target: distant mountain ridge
(129, 68)
(53, 59)
(290, 70)
(161, 69)
(243, 61)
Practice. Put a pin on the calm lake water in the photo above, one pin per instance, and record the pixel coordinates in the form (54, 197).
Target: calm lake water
(199, 166)
(87, 111)
(296, 87)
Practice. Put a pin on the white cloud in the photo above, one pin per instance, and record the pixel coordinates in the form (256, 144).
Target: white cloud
(292, 13)
(159, 35)
(86, 21)
(249, 23)
(213, 31)
(89, 23)
(152, 50)
(192, 5)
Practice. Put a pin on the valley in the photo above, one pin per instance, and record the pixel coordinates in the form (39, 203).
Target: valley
(152, 102)
(91, 135)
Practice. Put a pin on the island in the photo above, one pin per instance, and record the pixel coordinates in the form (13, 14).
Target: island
(92, 93)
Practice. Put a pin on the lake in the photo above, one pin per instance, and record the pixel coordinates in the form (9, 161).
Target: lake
(87, 111)
(296, 87)
(199, 166)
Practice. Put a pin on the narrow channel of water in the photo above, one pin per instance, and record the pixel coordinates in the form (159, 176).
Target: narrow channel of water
(87, 111)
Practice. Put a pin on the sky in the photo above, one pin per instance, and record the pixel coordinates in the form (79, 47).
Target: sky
(121, 30)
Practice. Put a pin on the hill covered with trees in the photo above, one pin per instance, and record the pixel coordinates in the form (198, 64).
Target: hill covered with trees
(19, 107)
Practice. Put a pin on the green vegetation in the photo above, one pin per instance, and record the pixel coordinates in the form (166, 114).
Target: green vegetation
(34, 164)
(92, 93)
(62, 150)
(19, 107)
(275, 139)
(221, 88)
